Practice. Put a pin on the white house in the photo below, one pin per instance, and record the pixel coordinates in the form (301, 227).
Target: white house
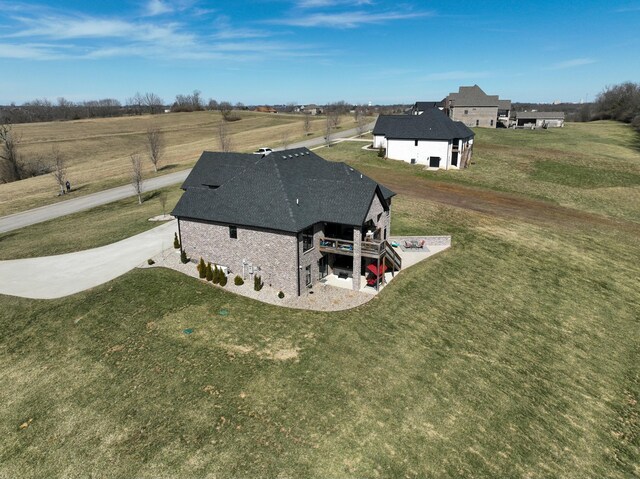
(539, 119)
(431, 139)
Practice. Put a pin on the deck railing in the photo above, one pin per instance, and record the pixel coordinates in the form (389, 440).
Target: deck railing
(370, 249)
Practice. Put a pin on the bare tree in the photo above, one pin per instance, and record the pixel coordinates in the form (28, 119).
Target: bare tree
(58, 168)
(136, 176)
(225, 108)
(223, 136)
(361, 120)
(12, 169)
(155, 145)
(328, 129)
(153, 102)
(162, 198)
(306, 123)
(285, 139)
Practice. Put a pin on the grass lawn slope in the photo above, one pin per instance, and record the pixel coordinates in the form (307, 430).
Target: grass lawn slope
(513, 354)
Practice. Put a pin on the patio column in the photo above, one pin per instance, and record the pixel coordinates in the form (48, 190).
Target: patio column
(357, 258)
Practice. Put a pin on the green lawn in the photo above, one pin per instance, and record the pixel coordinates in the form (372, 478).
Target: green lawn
(593, 167)
(513, 354)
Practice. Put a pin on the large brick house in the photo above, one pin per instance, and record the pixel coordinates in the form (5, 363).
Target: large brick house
(290, 217)
(428, 138)
(474, 107)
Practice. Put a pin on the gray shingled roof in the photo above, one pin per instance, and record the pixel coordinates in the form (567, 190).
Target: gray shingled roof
(433, 124)
(540, 115)
(425, 105)
(287, 191)
(472, 96)
(215, 169)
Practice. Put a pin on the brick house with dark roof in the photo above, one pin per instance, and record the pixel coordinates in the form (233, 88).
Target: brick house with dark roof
(290, 217)
(430, 138)
(474, 107)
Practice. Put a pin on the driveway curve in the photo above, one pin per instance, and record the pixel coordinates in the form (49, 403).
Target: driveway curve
(50, 277)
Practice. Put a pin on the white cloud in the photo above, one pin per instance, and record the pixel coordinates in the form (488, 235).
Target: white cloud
(576, 62)
(158, 7)
(346, 19)
(331, 3)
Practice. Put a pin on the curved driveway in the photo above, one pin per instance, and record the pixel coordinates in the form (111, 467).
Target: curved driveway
(51, 277)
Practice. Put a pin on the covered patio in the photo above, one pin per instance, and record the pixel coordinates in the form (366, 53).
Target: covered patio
(410, 256)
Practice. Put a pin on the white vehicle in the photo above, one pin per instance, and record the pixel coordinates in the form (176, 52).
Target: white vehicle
(263, 151)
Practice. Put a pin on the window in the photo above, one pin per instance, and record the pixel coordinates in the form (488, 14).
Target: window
(491, 122)
(307, 271)
(477, 122)
(233, 232)
(307, 239)
(466, 112)
(415, 143)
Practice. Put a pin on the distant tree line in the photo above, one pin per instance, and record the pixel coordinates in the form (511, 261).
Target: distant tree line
(619, 102)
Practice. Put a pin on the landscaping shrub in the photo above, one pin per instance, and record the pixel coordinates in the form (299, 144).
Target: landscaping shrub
(257, 283)
(216, 275)
(183, 257)
(238, 280)
(223, 279)
(202, 269)
(209, 272)
(381, 152)
(280, 295)
(176, 242)
(150, 262)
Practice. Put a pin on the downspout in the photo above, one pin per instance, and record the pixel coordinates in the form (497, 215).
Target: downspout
(180, 238)
(298, 261)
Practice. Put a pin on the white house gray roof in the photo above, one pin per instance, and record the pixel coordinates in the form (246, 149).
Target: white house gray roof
(474, 96)
(433, 124)
(540, 115)
(286, 190)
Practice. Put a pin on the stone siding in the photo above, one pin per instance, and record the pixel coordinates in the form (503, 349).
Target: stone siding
(311, 257)
(271, 253)
(484, 114)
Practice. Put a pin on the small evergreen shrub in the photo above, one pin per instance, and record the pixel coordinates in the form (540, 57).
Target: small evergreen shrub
(280, 295)
(150, 262)
(176, 242)
(238, 280)
(209, 272)
(183, 257)
(202, 269)
(381, 152)
(257, 283)
(223, 279)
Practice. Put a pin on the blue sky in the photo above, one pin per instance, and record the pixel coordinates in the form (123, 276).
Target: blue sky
(279, 51)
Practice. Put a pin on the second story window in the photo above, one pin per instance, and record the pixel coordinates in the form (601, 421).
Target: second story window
(307, 239)
(233, 232)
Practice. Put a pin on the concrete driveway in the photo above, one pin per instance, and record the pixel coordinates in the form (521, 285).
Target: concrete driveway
(51, 277)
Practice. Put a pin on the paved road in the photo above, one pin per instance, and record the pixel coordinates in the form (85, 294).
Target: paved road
(62, 275)
(49, 212)
(56, 210)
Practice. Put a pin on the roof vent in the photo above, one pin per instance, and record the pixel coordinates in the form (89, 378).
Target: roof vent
(290, 156)
(284, 157)
(296, 155)
(297, 201)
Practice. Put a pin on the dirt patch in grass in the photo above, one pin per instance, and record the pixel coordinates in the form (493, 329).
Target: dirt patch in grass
(494, 203)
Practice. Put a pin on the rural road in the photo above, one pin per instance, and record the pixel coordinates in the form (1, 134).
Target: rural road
(71, 273)
(56, 210)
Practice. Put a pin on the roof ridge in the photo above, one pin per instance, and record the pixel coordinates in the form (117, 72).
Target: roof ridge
(284, 191)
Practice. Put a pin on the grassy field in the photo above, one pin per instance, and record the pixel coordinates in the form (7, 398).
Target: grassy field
(513, 354)
(592, 167)
(98, 151)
